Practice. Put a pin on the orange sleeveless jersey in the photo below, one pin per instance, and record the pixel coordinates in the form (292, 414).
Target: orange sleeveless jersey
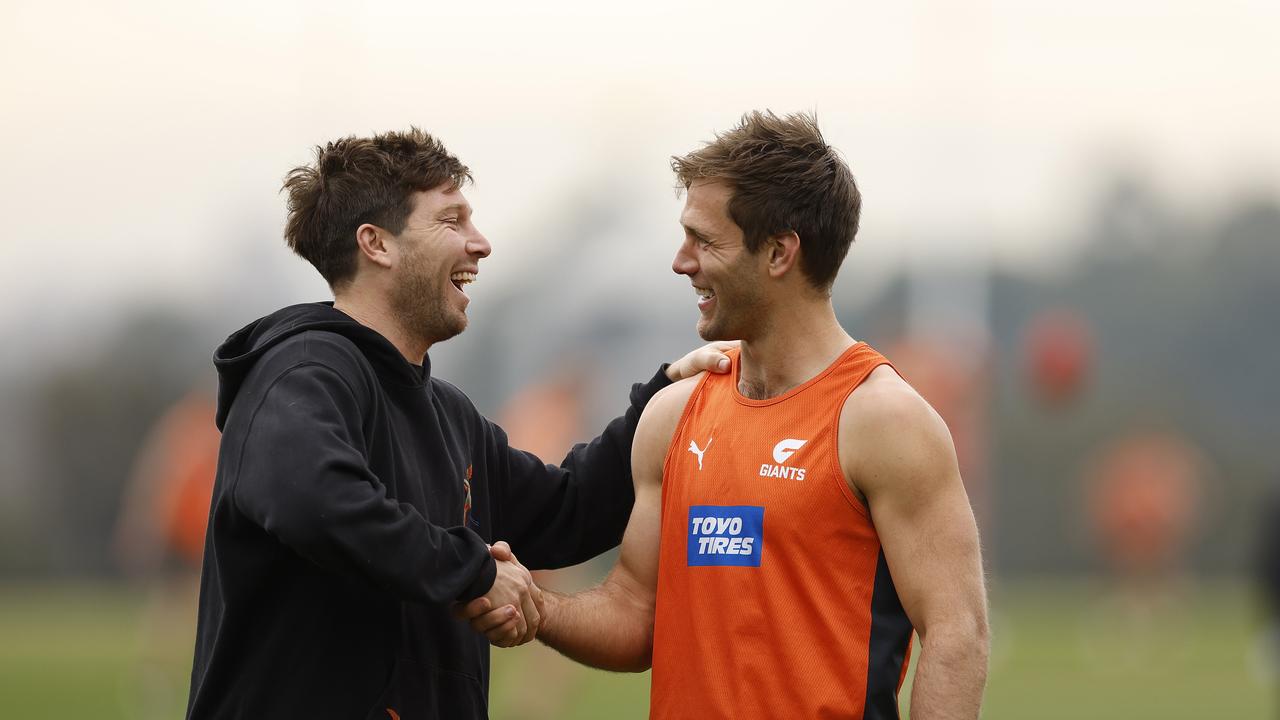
(774, 599)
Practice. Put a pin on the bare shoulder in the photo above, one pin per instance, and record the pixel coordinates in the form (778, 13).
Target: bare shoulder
(667, 405)
(658, 425)
(885, 399)
(888, 433)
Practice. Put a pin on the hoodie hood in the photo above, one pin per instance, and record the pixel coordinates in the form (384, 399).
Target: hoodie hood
(235, 358)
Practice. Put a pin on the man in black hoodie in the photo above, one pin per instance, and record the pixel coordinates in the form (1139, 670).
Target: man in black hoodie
(356, 494)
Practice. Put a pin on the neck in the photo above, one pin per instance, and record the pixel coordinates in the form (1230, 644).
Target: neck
(378, 317)
(800, 341)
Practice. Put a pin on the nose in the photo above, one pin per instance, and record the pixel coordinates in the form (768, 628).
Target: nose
(684, 263)
(478, 245)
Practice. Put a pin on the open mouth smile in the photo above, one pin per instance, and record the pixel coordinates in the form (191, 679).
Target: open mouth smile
(459, 279)
(705, 296)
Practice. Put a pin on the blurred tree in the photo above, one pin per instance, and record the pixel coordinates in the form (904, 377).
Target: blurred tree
(1177, 307)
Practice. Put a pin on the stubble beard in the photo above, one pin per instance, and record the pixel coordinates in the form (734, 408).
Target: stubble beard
(740, 307)
(420, 304)
(731, 325)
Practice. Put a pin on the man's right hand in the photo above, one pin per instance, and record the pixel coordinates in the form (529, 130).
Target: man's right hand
(511, 612)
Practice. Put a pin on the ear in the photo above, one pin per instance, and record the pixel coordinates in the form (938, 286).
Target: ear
(375, 245)
(784, 253)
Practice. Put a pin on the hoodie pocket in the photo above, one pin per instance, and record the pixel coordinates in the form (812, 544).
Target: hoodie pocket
(423, 692)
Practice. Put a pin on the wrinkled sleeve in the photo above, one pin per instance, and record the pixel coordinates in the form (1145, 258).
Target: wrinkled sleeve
(303, 477)
(555, 516)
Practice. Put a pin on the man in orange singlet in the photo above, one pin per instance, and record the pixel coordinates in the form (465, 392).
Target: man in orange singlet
(796, 518)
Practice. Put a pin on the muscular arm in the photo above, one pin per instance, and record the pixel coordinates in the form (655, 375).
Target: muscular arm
(611, 626)
(899, 455)
(555, 516)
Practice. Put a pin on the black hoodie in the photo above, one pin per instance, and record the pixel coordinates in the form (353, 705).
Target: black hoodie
(341, 529)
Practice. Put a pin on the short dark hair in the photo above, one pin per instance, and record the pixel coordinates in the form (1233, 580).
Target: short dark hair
(361, 180)
(784, 177)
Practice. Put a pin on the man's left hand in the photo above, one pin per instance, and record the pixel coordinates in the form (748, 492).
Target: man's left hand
(708, 358)
(500, 626)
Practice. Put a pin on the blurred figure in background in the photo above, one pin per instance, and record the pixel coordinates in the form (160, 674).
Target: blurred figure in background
(166, 507)
(546, 418)
(1058, 353)
(1143, 497)
(1145, 489)
(159, 539)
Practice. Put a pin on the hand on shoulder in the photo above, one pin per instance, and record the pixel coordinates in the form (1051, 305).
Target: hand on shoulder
(708, 358)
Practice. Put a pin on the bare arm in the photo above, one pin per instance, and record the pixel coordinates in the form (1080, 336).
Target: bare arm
(899, 455)
(611, 626)
(507, 624)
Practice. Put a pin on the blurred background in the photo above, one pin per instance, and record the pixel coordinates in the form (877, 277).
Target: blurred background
(1070, 245)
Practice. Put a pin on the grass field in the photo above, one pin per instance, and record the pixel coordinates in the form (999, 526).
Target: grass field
(1062, 650)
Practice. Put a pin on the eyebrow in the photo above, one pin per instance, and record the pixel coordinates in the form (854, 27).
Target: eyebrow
(694, 232)
(456, 207)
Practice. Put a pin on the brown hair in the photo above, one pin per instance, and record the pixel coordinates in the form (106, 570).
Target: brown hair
(784, 177)
(361, 180)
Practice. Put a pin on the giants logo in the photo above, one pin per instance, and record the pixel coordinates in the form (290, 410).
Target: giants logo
(782, 452)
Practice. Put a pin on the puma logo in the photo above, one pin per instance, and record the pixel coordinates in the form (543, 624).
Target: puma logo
(693, 448)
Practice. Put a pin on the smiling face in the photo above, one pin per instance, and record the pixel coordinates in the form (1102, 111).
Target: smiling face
(440, 252)
(725, 275)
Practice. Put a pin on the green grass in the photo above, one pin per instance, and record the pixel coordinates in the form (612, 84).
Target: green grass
(1076, 651)
(75, 651)
(1062, 650)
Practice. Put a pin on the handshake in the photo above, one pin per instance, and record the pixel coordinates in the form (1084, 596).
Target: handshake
(513, 610)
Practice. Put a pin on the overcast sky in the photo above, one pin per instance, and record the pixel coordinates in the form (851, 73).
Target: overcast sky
(147, 140)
